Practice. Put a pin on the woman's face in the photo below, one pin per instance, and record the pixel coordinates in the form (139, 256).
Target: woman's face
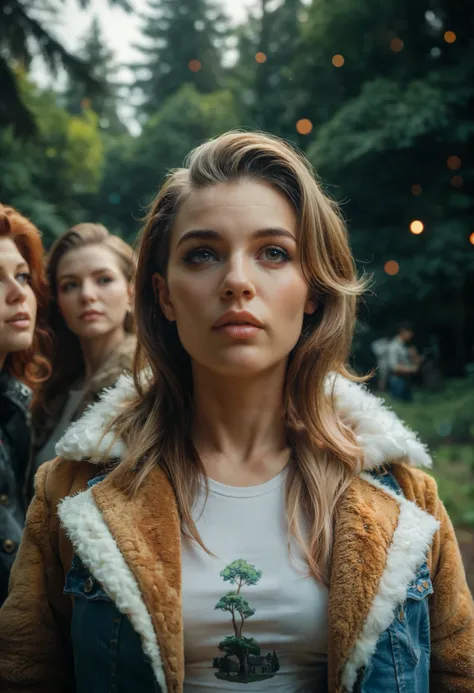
(17, 301)
(93, 293)
(234, 285)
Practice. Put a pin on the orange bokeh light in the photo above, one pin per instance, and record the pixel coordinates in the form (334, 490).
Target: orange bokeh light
(417, 227)
(453, 162)
(449, 36)
(338, 60)
(457, 181)
(392, 267)
(304, 126)
(416, 190)
(471, 238)
(260, 57)
(194, 65)
(396, 44)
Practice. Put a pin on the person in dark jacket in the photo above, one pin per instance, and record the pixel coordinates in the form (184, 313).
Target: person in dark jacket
(23, 340)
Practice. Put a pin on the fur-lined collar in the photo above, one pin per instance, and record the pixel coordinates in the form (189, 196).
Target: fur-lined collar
(379, 432)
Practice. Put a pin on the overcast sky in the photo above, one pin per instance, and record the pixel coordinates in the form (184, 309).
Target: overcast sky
(120, 29)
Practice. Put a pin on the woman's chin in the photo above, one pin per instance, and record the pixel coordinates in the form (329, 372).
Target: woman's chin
(20, 342)
(91, 331)
(240, 366)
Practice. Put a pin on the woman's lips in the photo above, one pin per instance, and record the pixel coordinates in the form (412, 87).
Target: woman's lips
(20, 323)
(238, 330)
(91, 316)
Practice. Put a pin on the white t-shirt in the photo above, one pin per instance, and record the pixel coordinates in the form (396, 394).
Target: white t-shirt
(276, 637)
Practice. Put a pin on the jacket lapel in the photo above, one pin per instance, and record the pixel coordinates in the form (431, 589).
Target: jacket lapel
(132, 547)
(380, 540)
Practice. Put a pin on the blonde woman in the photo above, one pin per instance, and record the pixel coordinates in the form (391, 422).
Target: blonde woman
(91, 273)
(241, 516)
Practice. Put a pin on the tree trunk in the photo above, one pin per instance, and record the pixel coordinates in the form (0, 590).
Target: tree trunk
(243, 661)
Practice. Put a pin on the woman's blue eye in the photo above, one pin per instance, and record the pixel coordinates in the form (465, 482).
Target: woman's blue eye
(200, 256)
(23, 278)
(276, 255)
(104, 280)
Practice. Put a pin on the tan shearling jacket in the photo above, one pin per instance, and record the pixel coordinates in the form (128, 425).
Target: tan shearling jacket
(132, 548)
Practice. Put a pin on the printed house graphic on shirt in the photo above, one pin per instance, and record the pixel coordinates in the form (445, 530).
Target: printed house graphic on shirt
(243, 661)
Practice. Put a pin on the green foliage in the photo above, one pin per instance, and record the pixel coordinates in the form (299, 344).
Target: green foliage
(23, 35)
(445, 422)
(241, 573)
(43, 176)
(234, 602)
(385, 115)
(136, 166)
(443, 416)
(176, 34)
(275, 662)
(102, 94)
(166, 140)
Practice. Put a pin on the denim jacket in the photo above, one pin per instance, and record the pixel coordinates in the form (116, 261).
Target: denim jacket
(108, 654)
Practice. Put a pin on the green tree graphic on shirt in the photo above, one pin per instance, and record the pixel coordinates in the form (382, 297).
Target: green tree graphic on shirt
(242, 661)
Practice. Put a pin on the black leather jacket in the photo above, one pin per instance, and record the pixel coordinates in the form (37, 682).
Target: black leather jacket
(14, 453)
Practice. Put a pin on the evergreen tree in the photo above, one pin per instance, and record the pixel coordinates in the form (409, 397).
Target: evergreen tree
(25, 33)
(183, 43)
(391, 108)
(267, 43)
(102, 94)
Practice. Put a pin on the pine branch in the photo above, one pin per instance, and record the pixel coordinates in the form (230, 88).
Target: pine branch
(12, 109)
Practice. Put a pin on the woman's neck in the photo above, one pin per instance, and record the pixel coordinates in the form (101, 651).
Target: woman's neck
(238, 426)
(96, 351)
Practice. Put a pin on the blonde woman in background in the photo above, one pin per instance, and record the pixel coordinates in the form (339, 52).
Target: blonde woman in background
(91, 274)
(241, 516)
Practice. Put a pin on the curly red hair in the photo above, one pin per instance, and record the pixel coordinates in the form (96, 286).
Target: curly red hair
(32, 365)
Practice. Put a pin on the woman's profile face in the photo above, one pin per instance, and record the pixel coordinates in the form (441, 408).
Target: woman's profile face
(234, 284)
(93, 294)
(17, 301)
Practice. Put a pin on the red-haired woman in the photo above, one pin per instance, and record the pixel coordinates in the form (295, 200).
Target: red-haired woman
(23, 338)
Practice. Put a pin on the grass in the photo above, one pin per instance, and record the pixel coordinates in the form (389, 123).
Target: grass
(445, 421)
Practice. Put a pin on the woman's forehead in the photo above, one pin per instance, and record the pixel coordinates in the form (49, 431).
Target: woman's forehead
(9, 252)
(227, 204)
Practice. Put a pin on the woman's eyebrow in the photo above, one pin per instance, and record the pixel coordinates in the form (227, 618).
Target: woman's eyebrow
(75, 276)
(210, 234)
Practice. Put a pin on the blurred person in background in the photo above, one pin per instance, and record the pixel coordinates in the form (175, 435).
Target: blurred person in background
(380, 350)
(403, 362)
(91, 274)
(242, 515)
(23, 366)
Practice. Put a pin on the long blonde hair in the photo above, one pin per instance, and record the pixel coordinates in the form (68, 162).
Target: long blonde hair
(156, 425)
(67, 360)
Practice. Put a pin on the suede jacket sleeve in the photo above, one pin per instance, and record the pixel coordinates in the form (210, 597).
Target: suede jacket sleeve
(452, 615)
(35, 653)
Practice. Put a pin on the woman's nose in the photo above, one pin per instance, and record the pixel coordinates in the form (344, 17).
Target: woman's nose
(17, 293)
(237, 281)
(88, 291)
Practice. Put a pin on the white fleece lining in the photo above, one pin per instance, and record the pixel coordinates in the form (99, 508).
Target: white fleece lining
(380, 434)
(410, 544)
(99, 552)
